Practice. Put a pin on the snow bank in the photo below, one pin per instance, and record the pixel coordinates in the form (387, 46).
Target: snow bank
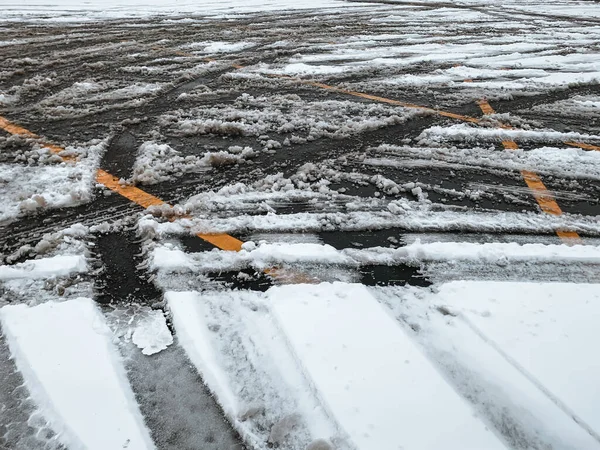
(370, 374)
(170, 259)
(65, 353)
(546, 330)
(56, 266)
(510, 398)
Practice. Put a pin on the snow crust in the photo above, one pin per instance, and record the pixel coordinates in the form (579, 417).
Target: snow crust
(55, 266)
(171, 259)
(370, 374)
(52, 344)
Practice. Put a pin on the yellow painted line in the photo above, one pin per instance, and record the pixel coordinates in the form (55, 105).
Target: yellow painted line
(584, 146)
(510, 145)
(132, 193)
(389, 101)
(142, 198)
(15, 129)
(540, 192)
(485, 107)
(222, 241)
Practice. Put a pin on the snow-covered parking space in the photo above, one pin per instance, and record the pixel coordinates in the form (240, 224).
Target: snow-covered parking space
(299, 225)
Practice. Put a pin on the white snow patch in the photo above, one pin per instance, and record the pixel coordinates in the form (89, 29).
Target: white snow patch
(369, 373)
(266, 255)
(74, 374)
(469, 133)
(152, 334)
(56, 266)
(546, 330)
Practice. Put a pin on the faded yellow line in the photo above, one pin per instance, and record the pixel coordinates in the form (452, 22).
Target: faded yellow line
(389, 101)
(483, 104)
(142, 198)
(584, 146)
(15, 129)
(537, 187)
(132, 193)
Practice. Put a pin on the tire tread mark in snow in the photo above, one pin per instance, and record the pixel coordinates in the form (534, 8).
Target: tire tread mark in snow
(558, 402)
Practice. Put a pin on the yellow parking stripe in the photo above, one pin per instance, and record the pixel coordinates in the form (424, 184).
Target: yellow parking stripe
(539, 190)
(132, 193)
(584, 146)
(142, 198)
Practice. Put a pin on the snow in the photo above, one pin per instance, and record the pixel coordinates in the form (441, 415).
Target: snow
(30, 188)
(151, 334)
(563, 162)
(468, 133)
(56, 266)
(236, 346)
(225, 47)
(170, 259)
(499, 389)
(193, 335)
(547, 331)
(371, 375)
(52, 344)
(70, 10)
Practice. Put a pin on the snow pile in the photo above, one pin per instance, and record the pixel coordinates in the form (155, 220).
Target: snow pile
(159, 162)
(171, 259)
(52, 344)
(92, 97)
(463, 132)
(27, 188)
(585, 106)
(368, 214)
(219, 46)
(301, 120)
(151, 333)
(564, 162)
(56, 266)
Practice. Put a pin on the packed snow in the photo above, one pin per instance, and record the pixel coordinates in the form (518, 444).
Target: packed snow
(56, 266)
(51, 344)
